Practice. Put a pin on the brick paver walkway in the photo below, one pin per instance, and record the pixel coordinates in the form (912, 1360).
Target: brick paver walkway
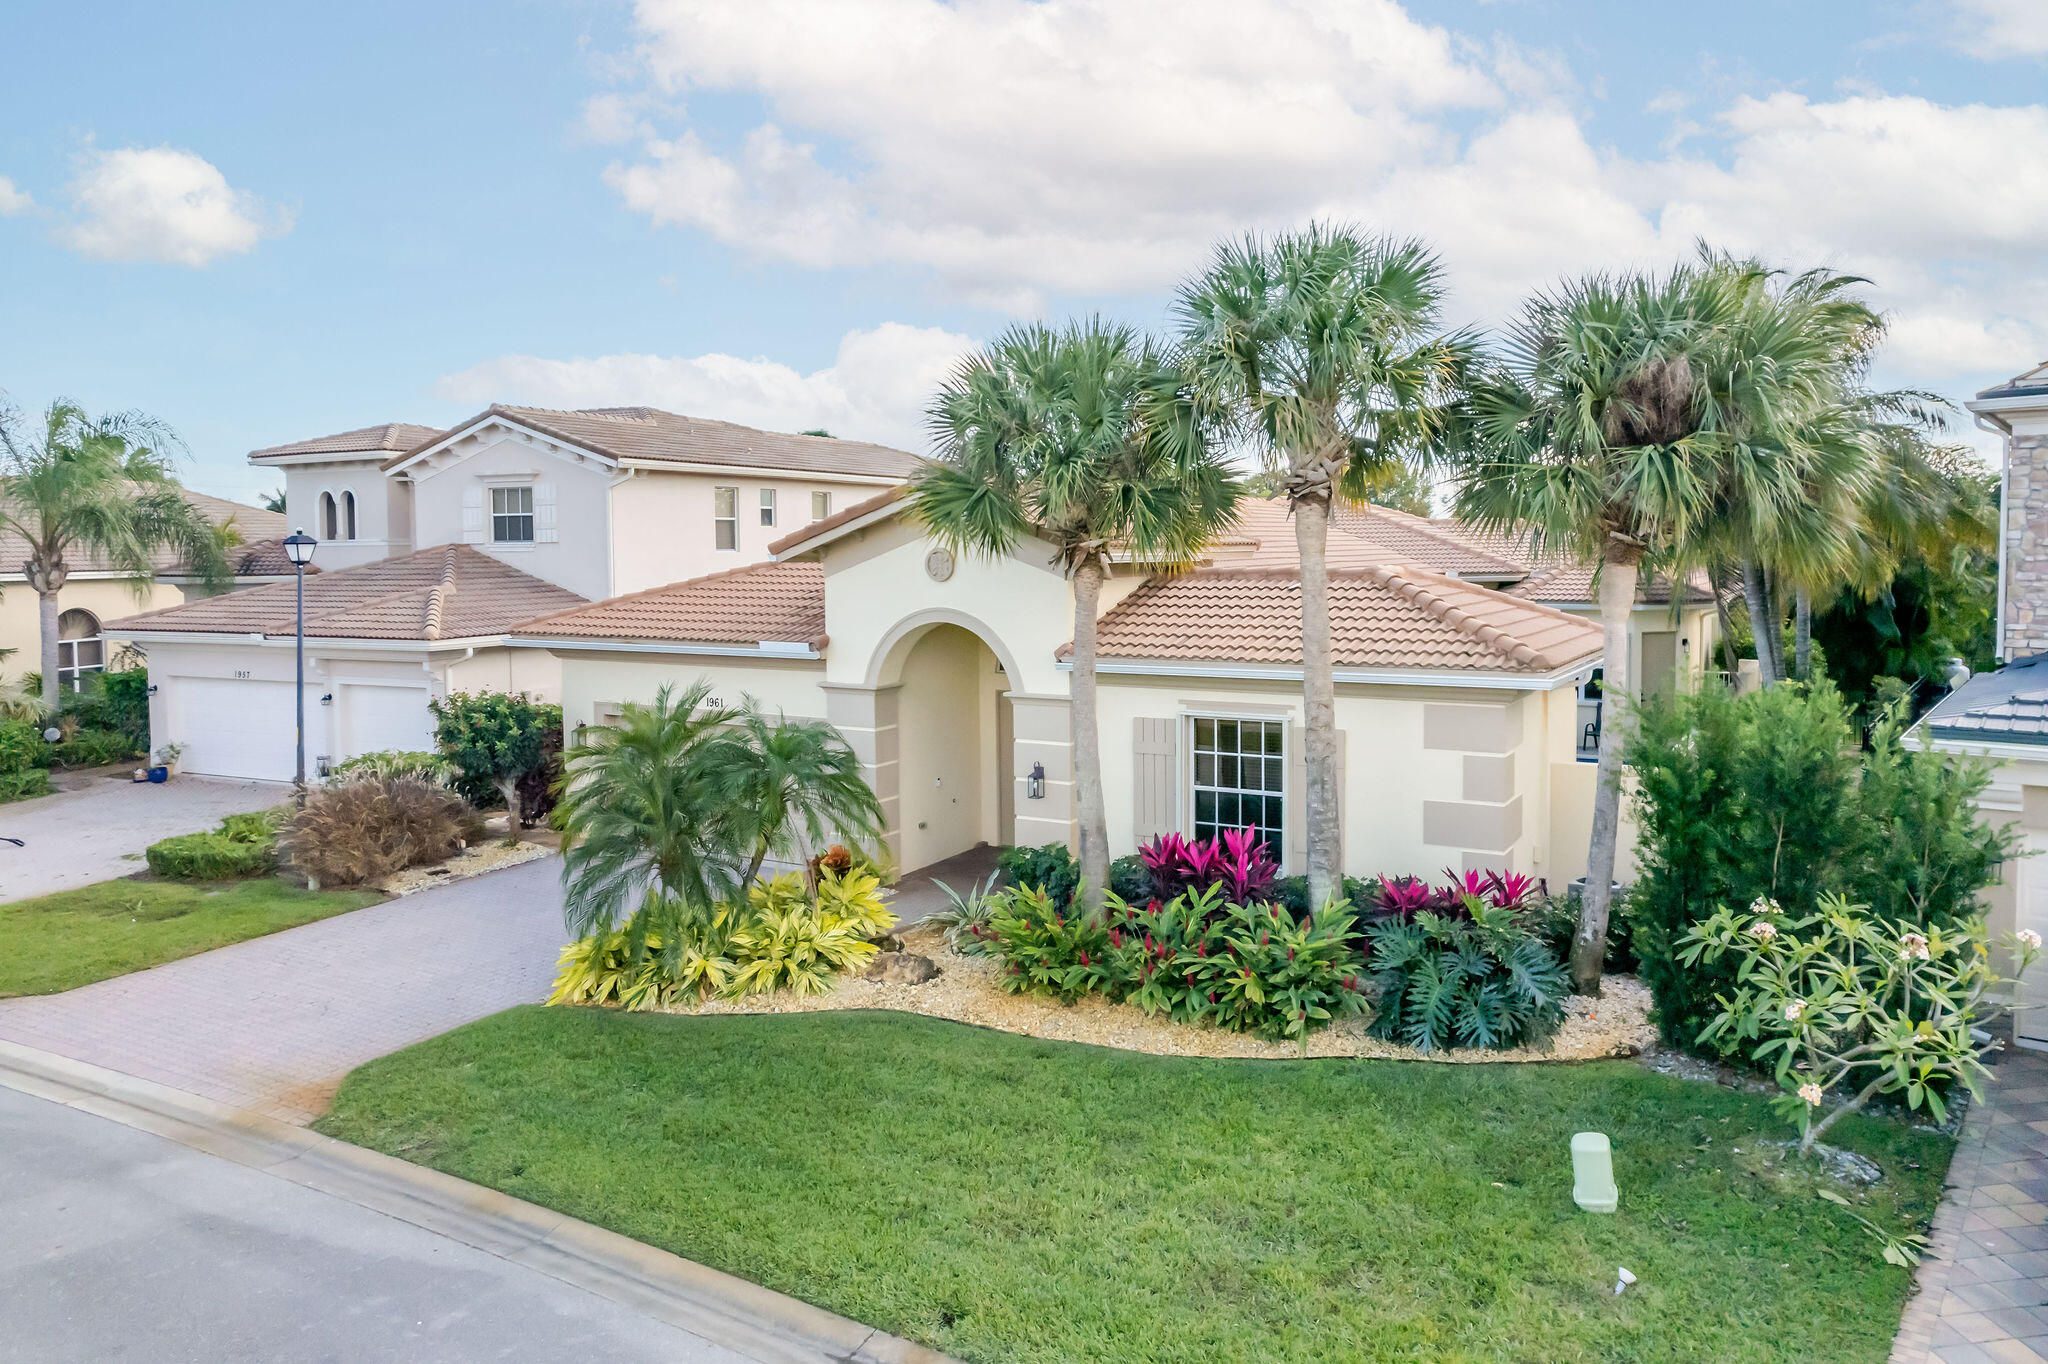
(1983, 1288)
(273, 1024)
(97, 829)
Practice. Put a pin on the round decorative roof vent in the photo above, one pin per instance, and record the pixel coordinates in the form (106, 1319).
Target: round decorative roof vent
(939, 563)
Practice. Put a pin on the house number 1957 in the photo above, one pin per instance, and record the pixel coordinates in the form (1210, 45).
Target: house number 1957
(241, 672)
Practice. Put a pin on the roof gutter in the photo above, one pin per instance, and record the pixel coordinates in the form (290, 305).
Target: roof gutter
(676, 466)
(1396, 677)
(767, 648)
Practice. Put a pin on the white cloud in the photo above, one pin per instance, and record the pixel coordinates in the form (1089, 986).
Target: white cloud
(163, 204)
(13, 201)
(2001, 28)
(875, 389)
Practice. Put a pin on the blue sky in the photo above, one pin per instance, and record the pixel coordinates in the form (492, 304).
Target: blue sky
(267, 222)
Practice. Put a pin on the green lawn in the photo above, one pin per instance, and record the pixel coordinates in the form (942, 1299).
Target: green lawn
(58, 942)
(1003, 1198)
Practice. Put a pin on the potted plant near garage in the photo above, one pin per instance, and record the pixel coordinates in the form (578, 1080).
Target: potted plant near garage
(166, 762)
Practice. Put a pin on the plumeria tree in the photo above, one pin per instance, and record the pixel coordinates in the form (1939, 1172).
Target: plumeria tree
(1853, 1006)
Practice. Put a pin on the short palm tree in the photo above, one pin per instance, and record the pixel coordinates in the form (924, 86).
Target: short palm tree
(789, 788)
(1661, 419)
(1087, 437)
(102, 486)
(641, 811)
(1323, 346)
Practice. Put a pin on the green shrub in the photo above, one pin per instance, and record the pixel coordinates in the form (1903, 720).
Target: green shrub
(495, 741)
(209, 857)
(391, 764)
(1046, 950)
(117, 702)
(257, 826)
(1484, 980)
(1050, 868)
(22, 746)
(24, 785)
(97, 748)
(1768, 797)
(1129, 879)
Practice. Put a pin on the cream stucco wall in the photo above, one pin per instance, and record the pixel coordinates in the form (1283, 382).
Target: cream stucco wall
(383, 510)
(596, 684)
(663, 524)
(110, 599)
(536, 672)
(579, 556)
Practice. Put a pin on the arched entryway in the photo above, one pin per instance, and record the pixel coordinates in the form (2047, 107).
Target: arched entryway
(955, 779)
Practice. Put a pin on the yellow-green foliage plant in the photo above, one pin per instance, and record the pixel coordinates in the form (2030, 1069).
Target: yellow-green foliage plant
(852, 899)
(663, 955)
(787, 943)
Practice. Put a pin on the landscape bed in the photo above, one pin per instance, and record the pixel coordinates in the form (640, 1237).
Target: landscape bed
(75, 937)
(1005, 1198)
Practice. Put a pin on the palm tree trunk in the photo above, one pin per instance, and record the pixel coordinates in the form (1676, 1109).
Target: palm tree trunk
(1802, 633)
(508, 787)
(1761, 626)
(1718, 578)
(1090, 812)
(1325, 812)
(1589, 944)
(48, 611)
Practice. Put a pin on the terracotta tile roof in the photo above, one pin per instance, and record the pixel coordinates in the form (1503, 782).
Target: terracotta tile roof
(1421, 540)
(648, 433)
(753, 604)
(1559, 580)
(1392, 616)
(264, 559)
(382, 439)
(253, 524)
(839, 518)
(448, 592)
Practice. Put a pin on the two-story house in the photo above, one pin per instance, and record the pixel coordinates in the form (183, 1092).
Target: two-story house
(434, 543)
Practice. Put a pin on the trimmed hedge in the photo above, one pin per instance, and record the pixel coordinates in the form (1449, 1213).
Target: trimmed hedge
(209, 857)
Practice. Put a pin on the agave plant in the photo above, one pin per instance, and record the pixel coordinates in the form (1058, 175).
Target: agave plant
(965, 917)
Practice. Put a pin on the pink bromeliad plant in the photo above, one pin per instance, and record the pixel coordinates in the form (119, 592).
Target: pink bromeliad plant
(1236, 862)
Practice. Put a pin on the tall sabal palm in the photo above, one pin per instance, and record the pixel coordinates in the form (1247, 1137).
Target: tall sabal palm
(790, 787)
(641, 811)
(1632, 419)
(1324, 348)
(100, 486)
(1087, 437)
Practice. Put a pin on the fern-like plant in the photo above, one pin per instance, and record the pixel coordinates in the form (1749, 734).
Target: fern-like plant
(1483, 981)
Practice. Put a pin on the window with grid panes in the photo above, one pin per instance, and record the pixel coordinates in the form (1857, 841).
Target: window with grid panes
(1240, 778)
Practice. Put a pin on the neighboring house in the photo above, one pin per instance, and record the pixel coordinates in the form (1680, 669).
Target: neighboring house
(949, 677)
(96, 593)
(434, 542)
(2002, 716)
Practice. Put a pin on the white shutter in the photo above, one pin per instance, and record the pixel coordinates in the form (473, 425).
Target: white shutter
(544, 513)
(1155, 778)
(472, 515)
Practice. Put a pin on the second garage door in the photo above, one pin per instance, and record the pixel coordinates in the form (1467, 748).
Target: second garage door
(235, 728)
(377, 718)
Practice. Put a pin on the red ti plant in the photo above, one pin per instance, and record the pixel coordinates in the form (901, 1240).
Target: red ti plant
(1247, 869)
(1236, 861)
(1402, 896)
(1509, 890)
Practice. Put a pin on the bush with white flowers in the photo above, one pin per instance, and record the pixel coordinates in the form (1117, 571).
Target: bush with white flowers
(1844, 1002)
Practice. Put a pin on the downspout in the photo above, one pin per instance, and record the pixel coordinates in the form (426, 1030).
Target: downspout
(2003, 430)
(611, 539)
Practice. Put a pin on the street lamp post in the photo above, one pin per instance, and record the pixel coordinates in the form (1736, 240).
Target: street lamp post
(298, 547)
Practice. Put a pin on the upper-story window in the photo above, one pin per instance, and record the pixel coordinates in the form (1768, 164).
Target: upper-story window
(821, 505)
(512, 516)
(348, 516)
(725, 518)
(330, 518)
(767, 506)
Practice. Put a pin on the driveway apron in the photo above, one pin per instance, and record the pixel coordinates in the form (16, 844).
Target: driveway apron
(274, 1023)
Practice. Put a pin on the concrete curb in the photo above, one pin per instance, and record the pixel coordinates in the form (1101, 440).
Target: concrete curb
(724, 1310)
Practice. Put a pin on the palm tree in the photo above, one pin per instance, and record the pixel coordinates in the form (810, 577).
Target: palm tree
(100, 486)
(1087, 437)
(1665, 419)
(641, 812)
(790, 787)
(1323, 346)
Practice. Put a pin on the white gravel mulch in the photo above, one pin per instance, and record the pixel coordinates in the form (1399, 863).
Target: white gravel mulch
(474, 860)
(1615, 1024)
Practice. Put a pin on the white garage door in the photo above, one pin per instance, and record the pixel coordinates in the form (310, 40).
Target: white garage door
(378, 718)
(231, 728)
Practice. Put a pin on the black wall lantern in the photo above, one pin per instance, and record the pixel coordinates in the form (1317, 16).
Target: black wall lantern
(1034, 785)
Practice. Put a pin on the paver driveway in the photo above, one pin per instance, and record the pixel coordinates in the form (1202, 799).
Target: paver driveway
(273, 1024)
(90, 833)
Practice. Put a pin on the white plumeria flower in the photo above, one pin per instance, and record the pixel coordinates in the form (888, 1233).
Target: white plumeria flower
(1793, 1010)
(1763, 930)
(2029, 939)
(1811, 1093)
(1764, 905)
(1913, 947)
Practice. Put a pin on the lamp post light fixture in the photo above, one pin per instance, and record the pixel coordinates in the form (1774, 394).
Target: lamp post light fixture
(298, 547)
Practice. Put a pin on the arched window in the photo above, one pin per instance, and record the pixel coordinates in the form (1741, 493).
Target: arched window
(348, 515)
(330, 528)
(80, 650)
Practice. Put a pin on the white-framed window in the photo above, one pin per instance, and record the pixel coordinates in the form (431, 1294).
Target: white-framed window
(725, 518)
(767, 506)
(512, 515)
(1240, 778)
(330, 519)
(80, 650)
(348, 515)
(821, 505)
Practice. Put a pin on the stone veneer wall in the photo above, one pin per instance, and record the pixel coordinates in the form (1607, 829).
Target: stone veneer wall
(2026, 546)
